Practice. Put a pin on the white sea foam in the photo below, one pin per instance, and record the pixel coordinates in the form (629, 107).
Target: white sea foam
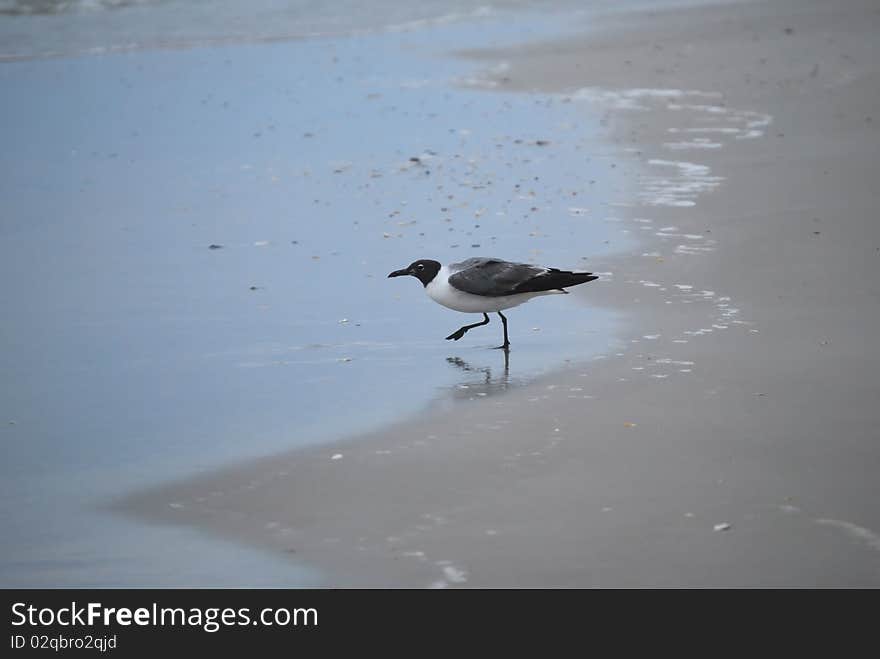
(635, 99)
(679, 184)
(866, 535)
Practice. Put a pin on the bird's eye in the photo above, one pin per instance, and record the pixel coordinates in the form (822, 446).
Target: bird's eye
(420, 267)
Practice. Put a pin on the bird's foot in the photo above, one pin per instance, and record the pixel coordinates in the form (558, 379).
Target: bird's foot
(505, 347)
(456, 335)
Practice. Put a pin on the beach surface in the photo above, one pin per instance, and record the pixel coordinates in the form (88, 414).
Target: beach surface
(195, 250)
(731, 439)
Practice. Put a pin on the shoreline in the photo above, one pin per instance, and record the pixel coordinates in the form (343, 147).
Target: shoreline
(160, 356)
(732, 442)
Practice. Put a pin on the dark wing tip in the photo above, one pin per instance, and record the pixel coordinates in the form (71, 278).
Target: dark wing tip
(555, 279)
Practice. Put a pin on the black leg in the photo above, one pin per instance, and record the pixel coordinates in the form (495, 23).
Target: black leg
(506, 345)
(460, 332)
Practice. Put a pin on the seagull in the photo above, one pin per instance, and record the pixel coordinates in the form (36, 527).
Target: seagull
(484, 285)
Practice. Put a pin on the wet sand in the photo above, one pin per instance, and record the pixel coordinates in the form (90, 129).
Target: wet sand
(733, 439)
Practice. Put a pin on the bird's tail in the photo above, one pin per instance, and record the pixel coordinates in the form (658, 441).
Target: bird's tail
(554, 279)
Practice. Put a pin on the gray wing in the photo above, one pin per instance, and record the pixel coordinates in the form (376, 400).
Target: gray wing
(492, 277)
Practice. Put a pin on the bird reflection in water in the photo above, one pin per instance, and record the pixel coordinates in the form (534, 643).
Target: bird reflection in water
(481, 381)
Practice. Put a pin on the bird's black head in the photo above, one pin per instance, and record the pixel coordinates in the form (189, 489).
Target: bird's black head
(424, 270)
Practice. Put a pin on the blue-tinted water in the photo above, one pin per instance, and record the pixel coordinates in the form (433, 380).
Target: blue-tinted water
(134, 353)
(41, 28)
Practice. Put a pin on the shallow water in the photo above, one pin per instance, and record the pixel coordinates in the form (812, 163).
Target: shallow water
(135, 353)
(52, 28)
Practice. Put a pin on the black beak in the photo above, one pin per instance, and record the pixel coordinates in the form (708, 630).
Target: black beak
(399, 273)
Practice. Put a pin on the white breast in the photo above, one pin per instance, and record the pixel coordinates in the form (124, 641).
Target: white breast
(439, 290)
